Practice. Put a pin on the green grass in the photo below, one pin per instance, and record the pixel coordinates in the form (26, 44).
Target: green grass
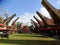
(29, 39)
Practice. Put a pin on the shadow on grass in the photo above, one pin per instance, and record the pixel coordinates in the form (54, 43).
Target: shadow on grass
(30, 42)
(32, 36)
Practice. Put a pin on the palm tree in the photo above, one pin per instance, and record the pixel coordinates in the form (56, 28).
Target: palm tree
(19, 26)
(31, 27)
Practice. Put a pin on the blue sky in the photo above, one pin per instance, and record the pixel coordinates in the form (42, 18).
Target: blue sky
(24, 9)
(21, 6)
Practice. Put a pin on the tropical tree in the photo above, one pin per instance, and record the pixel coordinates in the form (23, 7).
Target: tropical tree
(1, 19)
(19, 26)
(31, 28)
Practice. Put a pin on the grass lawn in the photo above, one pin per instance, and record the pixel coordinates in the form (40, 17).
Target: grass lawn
(29, 39)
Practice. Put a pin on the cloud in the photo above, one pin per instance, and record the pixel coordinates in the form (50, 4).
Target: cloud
(58, 1)
(26, 17)
(44, 12)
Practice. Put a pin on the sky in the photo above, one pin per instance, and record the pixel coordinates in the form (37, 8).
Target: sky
(25, 9)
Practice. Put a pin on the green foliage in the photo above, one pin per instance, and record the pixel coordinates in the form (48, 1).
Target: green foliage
(19, 25)
(31, 26)
(1, 19)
